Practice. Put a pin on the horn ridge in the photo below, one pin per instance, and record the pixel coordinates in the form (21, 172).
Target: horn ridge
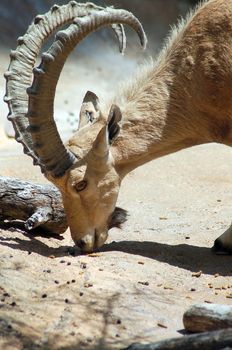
(121, 36)
(42, 92)
(22, 60)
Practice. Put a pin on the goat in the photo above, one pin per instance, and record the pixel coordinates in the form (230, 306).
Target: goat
(180, 100)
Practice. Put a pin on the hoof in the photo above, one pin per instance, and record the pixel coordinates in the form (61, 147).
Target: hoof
(219, 248)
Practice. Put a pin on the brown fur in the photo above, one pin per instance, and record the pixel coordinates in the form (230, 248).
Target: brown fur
(181, 100)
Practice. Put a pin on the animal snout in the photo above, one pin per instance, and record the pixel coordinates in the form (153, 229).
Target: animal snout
(80, 243)
(89, 242)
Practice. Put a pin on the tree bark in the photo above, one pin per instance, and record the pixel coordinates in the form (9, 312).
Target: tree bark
(207, 317)
(35, 205)
(217, 340)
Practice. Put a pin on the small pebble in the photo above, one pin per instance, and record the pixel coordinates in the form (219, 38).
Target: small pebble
(94, 255)
(13, 303)
(140, 262)
(161, 325)
(44, 296)
(69, 263)
(118, 321)
(62, 261)
(144, 283)
(193, 289)
(66, 301)
(56, 282)
(197, 274)
(73, 281)
(83, 265)
(168, 287)
(81, 294)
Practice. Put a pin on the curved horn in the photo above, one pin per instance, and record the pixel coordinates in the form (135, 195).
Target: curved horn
(19, 74)
(47, 142)
(120, 34)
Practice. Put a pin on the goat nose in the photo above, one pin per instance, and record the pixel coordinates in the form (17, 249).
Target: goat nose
(86, 244)
(80, 243)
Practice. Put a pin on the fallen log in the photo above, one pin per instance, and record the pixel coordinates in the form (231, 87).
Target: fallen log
(207, 317)
(217, 340)
(36, 205)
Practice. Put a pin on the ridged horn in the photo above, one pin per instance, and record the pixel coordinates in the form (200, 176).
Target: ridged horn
(19, 74)
(47, 142)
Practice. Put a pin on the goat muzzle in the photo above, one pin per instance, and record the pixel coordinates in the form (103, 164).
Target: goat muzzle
(92, 241)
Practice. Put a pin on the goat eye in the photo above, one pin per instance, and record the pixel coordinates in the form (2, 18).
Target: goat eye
(80, 186)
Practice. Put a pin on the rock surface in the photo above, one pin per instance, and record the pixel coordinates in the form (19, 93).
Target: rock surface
(140, 283)
(137, 287)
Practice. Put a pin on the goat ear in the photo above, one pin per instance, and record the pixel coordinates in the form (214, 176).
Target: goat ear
(90, 111)
(108, 133)
(113, 127)
(100, 146)
(91, 97)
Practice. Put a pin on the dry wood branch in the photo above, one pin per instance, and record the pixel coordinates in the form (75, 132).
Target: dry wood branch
(217, 340)
(36, 205)
(207, 317)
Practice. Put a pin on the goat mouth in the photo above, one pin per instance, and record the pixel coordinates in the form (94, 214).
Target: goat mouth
(88, 243)
(92, 242)
(117, 218)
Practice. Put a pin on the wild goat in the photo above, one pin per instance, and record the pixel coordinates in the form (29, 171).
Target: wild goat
(181, 100)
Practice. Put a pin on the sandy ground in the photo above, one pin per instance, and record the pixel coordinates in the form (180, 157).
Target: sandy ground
(140, 283)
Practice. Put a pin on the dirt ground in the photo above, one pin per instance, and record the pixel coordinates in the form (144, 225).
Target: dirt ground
(136, 288)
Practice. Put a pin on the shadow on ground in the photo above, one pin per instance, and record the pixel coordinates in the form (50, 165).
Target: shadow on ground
(13, 333)
(184, 256)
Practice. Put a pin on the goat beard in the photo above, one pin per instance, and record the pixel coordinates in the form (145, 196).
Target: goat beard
(118, 218)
